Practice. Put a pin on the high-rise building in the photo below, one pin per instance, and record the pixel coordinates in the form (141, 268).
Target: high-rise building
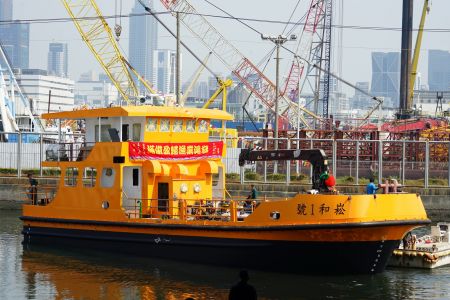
(164, 70)
(439, 70)
(337, 101)
(58, 59)
(6, 10)
(15, 38)
(143, 41)
(360, 100)
(386, 77)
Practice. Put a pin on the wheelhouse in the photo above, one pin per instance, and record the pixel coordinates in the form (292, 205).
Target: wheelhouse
(144, 161)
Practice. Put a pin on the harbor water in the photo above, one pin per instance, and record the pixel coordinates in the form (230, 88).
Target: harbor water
(53, 273)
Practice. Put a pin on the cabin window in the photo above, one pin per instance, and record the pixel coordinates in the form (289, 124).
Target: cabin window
(70, 178)
(190, 126)
(137, 132)
(164, 125)
(203, 126)
(151, 124)
(177, 125)
(104, 134)
(108, 175)
(135, 177)
(125, 135)
(89, 177)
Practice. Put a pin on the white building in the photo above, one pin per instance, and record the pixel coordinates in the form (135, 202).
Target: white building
(95, 91)
(36, 86)
(164, 70)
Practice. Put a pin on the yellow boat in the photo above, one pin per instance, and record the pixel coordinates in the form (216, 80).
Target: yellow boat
(149, 180)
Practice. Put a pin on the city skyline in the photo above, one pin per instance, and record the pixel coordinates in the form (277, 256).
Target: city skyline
(14, 38)
(351, 7)
(357, 43)
(143, 41)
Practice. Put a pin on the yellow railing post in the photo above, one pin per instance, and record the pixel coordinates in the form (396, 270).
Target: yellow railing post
(233, 212)
(182, 209)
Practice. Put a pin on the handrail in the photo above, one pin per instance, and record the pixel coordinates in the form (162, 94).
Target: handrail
(224, 210)
(41, 195)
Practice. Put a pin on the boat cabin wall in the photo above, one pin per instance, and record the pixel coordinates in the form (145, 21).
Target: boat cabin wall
(188, 181)
(89, 186)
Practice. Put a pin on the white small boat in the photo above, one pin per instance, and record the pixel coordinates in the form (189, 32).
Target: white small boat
(428, 252)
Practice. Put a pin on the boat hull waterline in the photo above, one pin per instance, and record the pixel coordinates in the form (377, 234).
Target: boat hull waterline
(284, 248)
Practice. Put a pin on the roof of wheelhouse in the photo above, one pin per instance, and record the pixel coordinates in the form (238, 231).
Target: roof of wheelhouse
(141, 111)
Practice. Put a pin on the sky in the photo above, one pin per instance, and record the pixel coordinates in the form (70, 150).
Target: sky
(357, 44)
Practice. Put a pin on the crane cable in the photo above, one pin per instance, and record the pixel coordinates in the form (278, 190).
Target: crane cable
(118, 16)
(152, 13)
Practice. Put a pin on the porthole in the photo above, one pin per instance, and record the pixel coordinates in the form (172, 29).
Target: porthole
(105, 204)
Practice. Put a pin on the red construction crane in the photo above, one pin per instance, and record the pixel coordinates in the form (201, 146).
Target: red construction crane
(253, 79)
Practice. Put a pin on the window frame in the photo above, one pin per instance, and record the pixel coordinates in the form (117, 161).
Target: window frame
(149, 123)
(71, 178)
(188, 122)
(89, 181)
(175, 125)
(164, 120)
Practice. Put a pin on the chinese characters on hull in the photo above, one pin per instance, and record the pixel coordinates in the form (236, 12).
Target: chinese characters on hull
(304, 210)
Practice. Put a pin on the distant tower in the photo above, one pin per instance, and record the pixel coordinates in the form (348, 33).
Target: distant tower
(164, 72)
(15, 38)
(6, 10)
(58, 59)
(439, 70)
(143, 41)
(386, 77)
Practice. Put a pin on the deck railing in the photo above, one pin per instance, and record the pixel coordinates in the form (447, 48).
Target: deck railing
(191, 209)
(40, 195)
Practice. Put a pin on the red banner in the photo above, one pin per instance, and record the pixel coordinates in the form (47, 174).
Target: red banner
(174, 151)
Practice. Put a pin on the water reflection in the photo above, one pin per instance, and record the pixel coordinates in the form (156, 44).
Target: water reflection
(95, 275)
(100, 276)
(52, 273)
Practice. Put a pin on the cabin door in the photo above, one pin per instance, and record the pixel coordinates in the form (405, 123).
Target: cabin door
(132, 187)
(163, 196)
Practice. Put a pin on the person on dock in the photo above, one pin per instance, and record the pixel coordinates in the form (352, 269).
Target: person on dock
(253, 193)
(371, 188)
(33, 188)
(242, 290)
(250, 202)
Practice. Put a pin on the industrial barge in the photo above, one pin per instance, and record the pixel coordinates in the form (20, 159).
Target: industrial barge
(150, 180)
(425, 252)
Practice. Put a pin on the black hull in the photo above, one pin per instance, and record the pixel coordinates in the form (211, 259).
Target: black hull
(297, 257)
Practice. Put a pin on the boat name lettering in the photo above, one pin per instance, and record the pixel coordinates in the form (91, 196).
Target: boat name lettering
(174, 151)
(339, 210)
(324, 209)
(302, 209)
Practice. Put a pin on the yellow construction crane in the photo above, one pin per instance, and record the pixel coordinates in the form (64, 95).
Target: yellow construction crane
(223, 85)
(415, 60)
(98, 36)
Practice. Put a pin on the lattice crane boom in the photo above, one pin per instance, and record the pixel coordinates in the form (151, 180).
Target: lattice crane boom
(252, 78)
(98, 36)
(295, 78)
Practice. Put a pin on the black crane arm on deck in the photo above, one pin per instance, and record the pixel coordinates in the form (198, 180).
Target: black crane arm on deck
(316, 157)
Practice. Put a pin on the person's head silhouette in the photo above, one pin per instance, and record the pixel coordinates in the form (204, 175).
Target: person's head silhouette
(244, 275)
